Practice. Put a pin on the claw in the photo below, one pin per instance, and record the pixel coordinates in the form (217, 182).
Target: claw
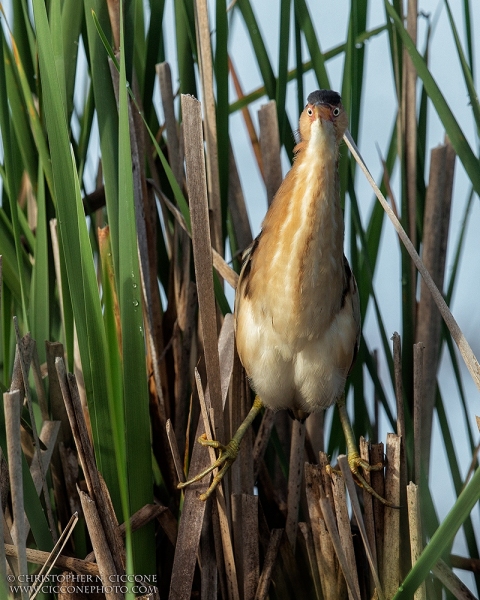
(355, 462)
(228, 453)
(358, 464)
(227, 457)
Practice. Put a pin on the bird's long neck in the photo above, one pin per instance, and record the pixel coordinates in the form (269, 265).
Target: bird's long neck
(316, 201)
(302, 238)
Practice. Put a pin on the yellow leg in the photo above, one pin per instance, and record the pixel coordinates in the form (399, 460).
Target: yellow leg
(354, 459)
(228, 453)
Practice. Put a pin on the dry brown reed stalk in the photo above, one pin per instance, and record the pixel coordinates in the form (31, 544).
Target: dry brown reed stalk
(190, 527)
(345, 533)
(3, 555)
(101, 547)
(350, 577)
(306, 531)
(174, 145)
(12, 404)
(41, 459)
(409, 133)
(418, 400)
(325, 557)
(415, 529)
(196, 183)
(38, 557)
(98, 493)
(207, 81)
(197, 192)
(436, 222)
(391, 545)
(261, 440)
(270, 147)
(245, 517)
(368, 546)
(368, 500)
(297, 460)
(269, 563)
(222, 511)
(57, 406)
(172, 440)
(452, 583)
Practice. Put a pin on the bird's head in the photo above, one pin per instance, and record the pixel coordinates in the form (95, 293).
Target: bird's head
(323, 115)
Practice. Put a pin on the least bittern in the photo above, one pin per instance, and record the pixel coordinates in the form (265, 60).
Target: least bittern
(297, 309)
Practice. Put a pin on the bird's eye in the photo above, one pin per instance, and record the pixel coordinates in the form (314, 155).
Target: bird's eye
(336, 111)
(309, 111)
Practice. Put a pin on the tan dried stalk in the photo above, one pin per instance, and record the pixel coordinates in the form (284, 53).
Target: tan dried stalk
(270, 146)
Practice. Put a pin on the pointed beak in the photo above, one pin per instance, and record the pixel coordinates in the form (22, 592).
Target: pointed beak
(323, 112)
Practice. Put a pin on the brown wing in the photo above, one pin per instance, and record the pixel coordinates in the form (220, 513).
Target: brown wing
(244, 280)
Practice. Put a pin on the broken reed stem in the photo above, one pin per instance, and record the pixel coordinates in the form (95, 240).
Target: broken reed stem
(436, 222)
(347, 474)
(306, 531)
(12, 403)
(103, 555)
(391, 549)
(269, 563)
(166, 91)
(457, 334)
(337, 544)
(87, 459)
(459, 590)
(205, 65)
(415, 528)
(297, 453)
(202, 253)
(418, 399)
(325, 556)
(38, 557)
(25, 366)
(270, 148)
(261, 440)
(3, 537)
(344, 528)
(369, 520)
(177, 461)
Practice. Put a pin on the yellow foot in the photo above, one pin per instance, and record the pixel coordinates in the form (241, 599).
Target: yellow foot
(227, 457)
(357, 465)
(228, 453)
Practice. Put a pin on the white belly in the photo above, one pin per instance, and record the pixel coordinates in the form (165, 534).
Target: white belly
(308, 374)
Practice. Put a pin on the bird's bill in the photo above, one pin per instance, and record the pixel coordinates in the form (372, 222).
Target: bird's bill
(324, 112)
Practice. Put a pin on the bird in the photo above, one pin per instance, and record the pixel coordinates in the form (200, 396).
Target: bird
(297, 309)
